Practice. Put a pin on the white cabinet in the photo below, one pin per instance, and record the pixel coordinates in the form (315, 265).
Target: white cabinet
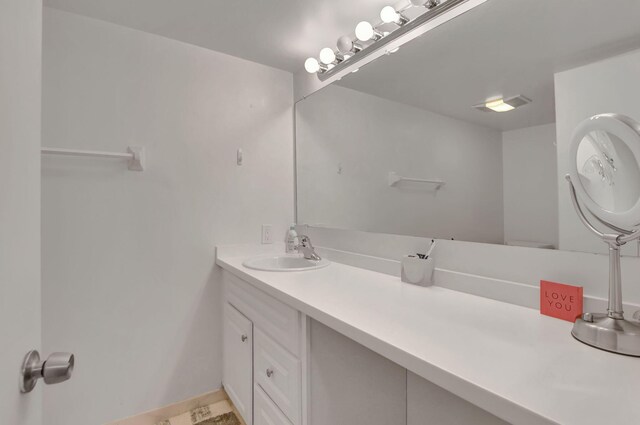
(350, 384)
(237, 360)
(262, 351)
(280, 368)
(266, 412)
(275, 318)
(429, 404)
(278, 373)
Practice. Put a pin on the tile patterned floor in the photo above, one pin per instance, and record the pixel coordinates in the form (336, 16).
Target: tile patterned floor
(220, 413)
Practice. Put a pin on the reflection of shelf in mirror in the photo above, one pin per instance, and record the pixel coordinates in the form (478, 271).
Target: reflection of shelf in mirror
(394, 179)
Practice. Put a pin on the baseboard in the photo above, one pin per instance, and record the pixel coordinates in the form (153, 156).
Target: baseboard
(154, 416)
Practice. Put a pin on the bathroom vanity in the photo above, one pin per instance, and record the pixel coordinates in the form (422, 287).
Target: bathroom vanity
(263, 351)
(467, 358)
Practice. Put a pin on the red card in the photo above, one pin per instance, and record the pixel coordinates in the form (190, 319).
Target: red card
(560, 301)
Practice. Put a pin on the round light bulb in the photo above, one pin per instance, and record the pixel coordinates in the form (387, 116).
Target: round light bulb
(345, 44)
(311, 65)
(388, 15)
(364, 31)
(327, 55)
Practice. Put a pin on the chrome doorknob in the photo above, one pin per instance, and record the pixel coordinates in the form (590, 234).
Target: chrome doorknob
(57, 368)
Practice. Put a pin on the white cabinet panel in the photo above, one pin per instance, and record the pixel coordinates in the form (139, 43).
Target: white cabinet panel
(351, 384)
(277, 319)
(278, 373)
(266, 412)
(237, 362)
(428, 404)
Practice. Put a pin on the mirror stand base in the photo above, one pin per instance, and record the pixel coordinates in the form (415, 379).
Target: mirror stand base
(618, 336)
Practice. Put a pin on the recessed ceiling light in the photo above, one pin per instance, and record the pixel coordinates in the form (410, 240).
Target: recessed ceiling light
(503, 105)
(498, 105)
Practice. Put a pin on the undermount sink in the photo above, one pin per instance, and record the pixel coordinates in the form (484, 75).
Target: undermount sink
(284, 263)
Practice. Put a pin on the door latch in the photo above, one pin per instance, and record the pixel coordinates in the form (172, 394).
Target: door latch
(57, 368)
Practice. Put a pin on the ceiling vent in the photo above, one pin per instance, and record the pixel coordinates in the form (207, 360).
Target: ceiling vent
(503, 105)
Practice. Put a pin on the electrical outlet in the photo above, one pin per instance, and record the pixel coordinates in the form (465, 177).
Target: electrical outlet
(267, 233)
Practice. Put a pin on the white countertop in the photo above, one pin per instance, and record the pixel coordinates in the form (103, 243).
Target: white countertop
(509, 360)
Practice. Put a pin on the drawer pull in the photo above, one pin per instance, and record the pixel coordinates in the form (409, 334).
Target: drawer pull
(269, 373)
(244, 338)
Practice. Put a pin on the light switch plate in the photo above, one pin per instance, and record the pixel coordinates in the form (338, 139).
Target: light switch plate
(267, 233)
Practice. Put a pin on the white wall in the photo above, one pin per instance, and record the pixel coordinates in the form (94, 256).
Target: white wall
(607, 86)
(369, 136)
(530, 185)
(20, 65)
(129, 281)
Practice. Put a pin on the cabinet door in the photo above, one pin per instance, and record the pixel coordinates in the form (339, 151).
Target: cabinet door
(237, 361)
(267, 413)
(427, 400)
(351, 384)
(277, 372)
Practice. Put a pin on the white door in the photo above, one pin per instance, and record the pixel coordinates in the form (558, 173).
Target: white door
(238, 361)
(20, 53)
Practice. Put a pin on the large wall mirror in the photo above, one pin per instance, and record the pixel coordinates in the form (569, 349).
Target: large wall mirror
(492, 173)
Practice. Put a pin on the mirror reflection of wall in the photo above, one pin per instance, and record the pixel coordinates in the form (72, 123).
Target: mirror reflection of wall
(412, 113)
(344, 170)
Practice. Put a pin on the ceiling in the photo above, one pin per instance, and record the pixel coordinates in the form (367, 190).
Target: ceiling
(503, 47)
(278, 33)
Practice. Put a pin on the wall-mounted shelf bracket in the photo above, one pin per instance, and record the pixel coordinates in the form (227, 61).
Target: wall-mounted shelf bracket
(137, 162)
(135, 155)
(394, 179)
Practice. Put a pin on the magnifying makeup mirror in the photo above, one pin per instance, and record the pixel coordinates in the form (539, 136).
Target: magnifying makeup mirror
(604, 176)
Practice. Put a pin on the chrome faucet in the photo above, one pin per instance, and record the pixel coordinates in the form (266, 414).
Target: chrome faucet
(306, 248)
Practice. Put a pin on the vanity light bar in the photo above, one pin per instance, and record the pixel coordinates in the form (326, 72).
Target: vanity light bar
(352, 51)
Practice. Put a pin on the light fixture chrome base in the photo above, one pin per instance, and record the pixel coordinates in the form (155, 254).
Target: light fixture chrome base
(618, 336)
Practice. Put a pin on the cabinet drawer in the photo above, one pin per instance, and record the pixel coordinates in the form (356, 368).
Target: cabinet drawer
(237, 361)
(267, 413)
(277, 319)
(277, 372)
